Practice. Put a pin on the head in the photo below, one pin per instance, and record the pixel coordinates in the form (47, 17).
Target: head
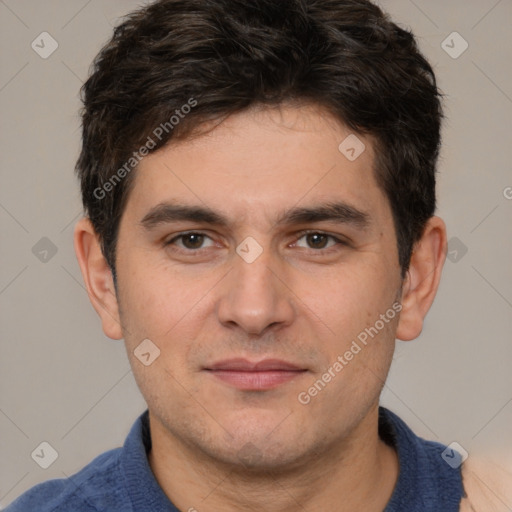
(233, 120)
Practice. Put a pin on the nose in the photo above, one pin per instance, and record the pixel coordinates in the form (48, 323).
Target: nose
(255, 296)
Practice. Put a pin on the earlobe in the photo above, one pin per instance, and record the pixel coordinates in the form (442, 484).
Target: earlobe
(422, 279)
(97, 277)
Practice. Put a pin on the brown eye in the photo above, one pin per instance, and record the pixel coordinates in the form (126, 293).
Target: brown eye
(316, 240)
(192, 240)
(189, 241)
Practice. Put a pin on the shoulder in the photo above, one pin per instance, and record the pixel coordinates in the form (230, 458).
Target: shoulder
(97, 487)
(487, 485)
(426, 481)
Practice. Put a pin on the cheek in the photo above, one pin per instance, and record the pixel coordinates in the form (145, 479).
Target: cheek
(348, 301)
(157, 299)
(170, 307)
(350, 305)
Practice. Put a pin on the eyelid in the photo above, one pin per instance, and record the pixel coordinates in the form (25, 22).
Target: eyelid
(183, 234)
(297, 237)
(339, 240)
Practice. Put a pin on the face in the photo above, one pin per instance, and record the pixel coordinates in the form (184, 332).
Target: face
(254, 257)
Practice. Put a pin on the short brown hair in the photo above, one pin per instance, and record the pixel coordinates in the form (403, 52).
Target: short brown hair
(229, 55)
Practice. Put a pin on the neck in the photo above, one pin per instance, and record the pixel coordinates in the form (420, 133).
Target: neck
(359, 473)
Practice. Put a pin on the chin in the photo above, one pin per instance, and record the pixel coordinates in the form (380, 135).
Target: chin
(265, 449)
(254, 458)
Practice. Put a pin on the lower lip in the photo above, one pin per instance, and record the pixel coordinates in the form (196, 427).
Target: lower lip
(256, 381)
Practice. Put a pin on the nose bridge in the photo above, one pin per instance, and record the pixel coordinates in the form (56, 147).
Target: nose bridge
(253, 297)
(255, 277)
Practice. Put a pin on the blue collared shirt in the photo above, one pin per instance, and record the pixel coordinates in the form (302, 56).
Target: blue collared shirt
(121, 480)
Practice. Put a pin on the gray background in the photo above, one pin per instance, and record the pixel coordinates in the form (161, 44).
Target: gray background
(62, 381)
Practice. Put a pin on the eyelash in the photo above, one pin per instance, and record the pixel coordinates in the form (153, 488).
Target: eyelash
(300, 235)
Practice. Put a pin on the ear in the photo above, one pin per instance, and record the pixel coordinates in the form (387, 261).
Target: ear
(422, 279)
(98, 278)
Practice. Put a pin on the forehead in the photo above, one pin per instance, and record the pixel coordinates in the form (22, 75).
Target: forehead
(259, 163)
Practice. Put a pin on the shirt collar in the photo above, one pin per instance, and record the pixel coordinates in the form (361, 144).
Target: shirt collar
(419, 482)
(141, 484)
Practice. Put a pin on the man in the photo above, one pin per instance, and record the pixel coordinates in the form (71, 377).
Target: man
(259, 186)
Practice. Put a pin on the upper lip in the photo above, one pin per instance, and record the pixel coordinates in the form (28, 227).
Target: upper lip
(244, 365)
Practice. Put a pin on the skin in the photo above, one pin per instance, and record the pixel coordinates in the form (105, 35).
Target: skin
(303, 300)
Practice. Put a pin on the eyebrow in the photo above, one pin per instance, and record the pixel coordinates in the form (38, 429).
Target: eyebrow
(333, 211)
